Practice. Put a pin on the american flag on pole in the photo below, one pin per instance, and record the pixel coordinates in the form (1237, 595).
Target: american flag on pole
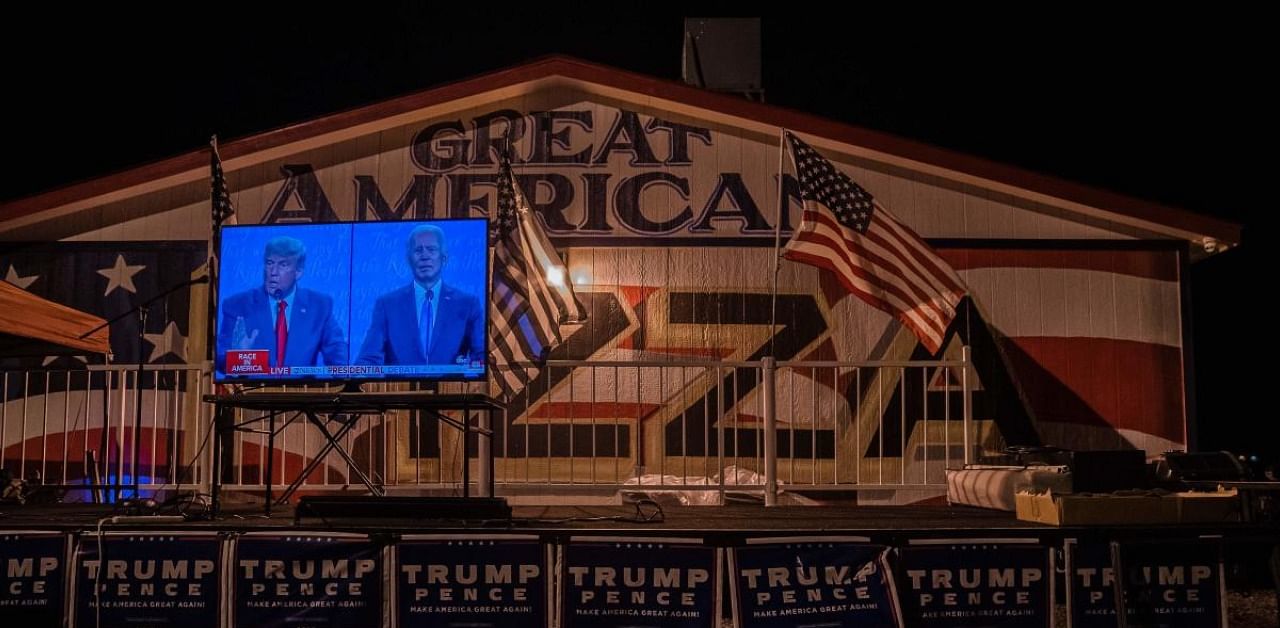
(220, 198)
(532, 293)
(223, 213)
(882, 261)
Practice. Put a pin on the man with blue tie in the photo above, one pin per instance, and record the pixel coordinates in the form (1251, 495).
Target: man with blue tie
(296, 326)
(427, 321)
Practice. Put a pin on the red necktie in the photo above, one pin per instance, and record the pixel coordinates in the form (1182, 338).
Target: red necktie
(282, 332)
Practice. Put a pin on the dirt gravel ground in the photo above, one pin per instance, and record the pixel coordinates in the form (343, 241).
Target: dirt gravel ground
(1252, 608)
(1246, 608)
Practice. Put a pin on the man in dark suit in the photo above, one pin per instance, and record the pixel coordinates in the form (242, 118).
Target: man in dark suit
(295, 325)
(427, 321)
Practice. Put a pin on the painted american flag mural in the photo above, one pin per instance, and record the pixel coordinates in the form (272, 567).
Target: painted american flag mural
(110, 278)
(1054, 364)
(1075, 326)
(45, 425)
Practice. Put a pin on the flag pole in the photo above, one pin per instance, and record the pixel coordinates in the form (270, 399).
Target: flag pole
(777, 244)
(215, 241)
(208, 479)
(493, 235)
(769, 364)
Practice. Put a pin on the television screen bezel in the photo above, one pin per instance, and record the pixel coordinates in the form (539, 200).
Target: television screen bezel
(220, 377)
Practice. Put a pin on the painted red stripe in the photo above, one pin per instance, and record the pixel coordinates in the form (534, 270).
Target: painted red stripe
(1102, 382)
(636, 294)
(1161, 265)
(49, 447)
(153, 464)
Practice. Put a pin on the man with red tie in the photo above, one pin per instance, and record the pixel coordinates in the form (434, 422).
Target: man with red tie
(295, 325)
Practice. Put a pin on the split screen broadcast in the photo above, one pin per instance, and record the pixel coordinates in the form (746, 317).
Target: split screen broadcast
(403, 300)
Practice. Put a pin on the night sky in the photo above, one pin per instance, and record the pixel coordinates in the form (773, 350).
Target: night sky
(1167, 108)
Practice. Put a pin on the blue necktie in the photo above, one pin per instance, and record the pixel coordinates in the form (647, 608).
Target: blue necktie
(424, 326)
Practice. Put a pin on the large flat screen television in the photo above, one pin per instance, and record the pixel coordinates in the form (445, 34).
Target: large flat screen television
(354, 301)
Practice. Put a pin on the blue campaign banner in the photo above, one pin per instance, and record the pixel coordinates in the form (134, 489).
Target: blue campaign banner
(1170, 583)
(1091, 592)
(478, 582)
(35, 573)
(148, 579)
(307, 581)
(639, 583)
(975, 584)
(833, 583)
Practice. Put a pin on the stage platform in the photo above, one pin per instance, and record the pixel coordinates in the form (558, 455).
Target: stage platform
(889, 524)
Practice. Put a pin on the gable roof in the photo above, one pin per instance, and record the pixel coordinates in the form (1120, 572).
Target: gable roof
(1074, 197)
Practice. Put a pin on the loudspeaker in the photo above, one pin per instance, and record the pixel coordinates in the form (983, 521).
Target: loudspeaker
(1097, 471)
(367, 507)
(1108, 470)
(1178, 466)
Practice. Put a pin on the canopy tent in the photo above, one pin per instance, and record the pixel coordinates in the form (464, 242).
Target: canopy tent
(30, 325)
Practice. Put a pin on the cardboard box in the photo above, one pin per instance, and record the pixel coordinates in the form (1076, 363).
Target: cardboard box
(1096, 509)
(1221, 506)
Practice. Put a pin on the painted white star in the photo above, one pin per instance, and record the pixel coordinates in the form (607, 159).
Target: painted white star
(120, 276)
(18, 280)
(171, 341)
(50, 359)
